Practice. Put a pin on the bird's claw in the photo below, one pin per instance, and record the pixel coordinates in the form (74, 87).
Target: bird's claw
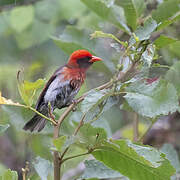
(74, 102)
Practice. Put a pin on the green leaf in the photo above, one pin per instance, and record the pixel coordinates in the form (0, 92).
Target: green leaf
(130, 12)
(108, 12)
(134, 161)
(154, 99)
(93, 98)
(174, 48)
(166, 10)
(163, 41)
(90, 136)
(173, 75)
(9, 175)
(171, 155)
(168, 22)
(59, 142)
(96, 169)
(3, 128)
(43, 167)
(21, 18)
(139, 6)
(93, 104)
(27, 90)
(144, 32)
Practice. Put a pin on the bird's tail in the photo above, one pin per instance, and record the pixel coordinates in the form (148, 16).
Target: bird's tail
(36, 123)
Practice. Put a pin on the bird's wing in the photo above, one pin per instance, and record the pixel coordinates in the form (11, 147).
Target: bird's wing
(53, 77)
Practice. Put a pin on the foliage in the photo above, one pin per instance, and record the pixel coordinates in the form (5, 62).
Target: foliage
(140, 51)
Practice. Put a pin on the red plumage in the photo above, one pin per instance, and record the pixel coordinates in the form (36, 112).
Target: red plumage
(61, 88)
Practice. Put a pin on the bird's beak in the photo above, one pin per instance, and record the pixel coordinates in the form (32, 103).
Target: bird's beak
(94, 59)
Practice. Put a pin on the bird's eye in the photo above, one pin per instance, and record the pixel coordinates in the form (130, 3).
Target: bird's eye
(84, 62)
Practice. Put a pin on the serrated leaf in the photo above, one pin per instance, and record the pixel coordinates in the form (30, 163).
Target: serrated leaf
(163, 41)
(110, 13)
(5, 101)
(166, 10)
(59, 142)
(21, 17)
(3, 128)
(134, 161)
(96, 169)
(43, 167)
(9, 175)
(151, 100)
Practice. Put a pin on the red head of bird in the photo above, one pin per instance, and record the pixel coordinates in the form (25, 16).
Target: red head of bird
(82, 59)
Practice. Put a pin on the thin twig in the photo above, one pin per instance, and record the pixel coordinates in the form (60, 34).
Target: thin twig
(42, 115)
(78, 155)
(80, 124)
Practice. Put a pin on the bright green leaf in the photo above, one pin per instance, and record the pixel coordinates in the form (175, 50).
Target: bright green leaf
(154, 99)
(21, 17)
(96, 169)
(9, 175)
(108, 12)
(166, 10)
(130, 12)
(3, 128)
(43, 167)
(27, 90)
(163, 41)
(134, 161)
(91, 136)
(59, 142)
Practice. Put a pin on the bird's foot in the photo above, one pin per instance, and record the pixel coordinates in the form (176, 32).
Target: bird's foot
(51, 115)
(74, 102)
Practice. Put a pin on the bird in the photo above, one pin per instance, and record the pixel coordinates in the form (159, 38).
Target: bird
(61, 88)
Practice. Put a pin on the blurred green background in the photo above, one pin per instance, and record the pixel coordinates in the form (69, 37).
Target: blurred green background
(28, 33)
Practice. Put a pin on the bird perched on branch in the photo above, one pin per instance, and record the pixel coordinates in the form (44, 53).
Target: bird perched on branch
(61, 88)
